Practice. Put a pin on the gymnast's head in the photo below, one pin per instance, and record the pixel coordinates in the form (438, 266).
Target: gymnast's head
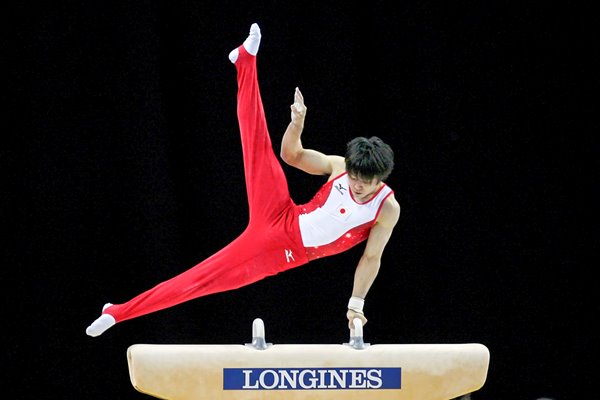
(369, 159)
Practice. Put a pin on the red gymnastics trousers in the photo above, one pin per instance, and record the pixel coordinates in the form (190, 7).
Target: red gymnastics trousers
(270, 244)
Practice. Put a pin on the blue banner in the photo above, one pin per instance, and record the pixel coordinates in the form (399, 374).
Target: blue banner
(311, 378)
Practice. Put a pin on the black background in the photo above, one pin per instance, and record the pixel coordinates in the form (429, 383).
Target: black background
(123, 168)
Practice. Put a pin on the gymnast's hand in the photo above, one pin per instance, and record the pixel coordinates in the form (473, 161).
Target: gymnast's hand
(351, 314)
(298, 109)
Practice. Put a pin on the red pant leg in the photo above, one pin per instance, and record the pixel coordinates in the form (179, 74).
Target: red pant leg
(266, 183)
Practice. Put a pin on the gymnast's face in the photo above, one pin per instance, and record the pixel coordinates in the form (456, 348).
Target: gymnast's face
(362, 189)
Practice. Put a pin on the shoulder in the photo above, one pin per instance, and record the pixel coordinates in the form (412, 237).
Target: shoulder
(390, 211)
(338, 166)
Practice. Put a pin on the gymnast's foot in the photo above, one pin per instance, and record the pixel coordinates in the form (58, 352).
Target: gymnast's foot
(100, 325)
(250, 44)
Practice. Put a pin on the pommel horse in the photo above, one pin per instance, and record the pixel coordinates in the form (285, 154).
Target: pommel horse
(353, 370)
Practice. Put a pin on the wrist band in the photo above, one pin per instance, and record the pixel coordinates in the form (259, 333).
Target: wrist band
(356, 304)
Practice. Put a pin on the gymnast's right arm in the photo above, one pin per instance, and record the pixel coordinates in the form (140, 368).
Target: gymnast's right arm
(292, 151)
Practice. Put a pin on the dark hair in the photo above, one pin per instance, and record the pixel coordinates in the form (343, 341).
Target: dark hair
(369, 158)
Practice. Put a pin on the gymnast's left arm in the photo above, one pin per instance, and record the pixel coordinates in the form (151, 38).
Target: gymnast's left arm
(369, 263)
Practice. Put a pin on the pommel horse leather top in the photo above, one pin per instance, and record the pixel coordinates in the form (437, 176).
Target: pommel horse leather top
(352, 370)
